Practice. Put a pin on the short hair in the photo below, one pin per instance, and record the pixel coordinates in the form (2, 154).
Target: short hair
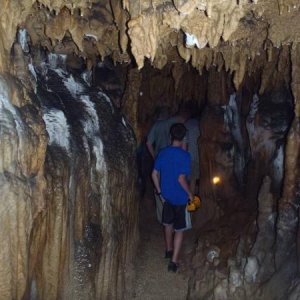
(177, 132)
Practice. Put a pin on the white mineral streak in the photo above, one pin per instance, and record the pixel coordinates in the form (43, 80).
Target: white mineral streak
(91, 125)
(56, 60)
(86, 147)
(32, 71)
(57, 128)
(251, 269)
(87, 77)
(91, 121)
(278, 164)
(33, 291)
(9, 116)
(104, 97)
(91, 129)
(213, 253)
(233, 121)
(124, 122)
(252, 113)
(23, 39)
(191, 41)
(73, 86)
(90, 35)
(250, 124)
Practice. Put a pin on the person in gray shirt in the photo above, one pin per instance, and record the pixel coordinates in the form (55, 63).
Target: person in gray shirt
(192, 125)
(159, 138)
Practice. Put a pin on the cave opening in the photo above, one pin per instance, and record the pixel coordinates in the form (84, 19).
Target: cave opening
(81, 84)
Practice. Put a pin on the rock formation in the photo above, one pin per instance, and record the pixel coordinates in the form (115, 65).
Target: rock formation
(79, 85)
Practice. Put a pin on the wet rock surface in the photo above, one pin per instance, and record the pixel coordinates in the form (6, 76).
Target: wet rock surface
(65, 211)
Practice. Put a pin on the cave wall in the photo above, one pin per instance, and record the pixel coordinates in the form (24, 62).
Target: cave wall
(69, 211)
(23, 149)
(243, 256)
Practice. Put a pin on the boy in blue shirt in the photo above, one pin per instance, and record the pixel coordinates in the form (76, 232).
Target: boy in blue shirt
(171, 169)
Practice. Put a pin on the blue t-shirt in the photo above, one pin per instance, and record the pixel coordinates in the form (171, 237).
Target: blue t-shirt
(172, 162)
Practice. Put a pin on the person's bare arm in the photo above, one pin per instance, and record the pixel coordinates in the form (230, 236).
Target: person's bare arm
(156, 180)
(150, 149)
(183, 182)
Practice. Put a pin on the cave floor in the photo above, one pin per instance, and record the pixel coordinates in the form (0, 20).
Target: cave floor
(153, 281)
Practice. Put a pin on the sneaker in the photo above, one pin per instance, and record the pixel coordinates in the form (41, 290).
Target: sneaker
(169, 254)
(172, 267)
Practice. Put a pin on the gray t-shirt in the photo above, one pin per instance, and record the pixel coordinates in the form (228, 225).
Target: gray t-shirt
(192, 125)
(159, 134)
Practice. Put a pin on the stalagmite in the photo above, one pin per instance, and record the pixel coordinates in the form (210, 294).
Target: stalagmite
(262, 249)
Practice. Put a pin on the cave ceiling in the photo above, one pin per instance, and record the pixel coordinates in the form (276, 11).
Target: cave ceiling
(224, 33)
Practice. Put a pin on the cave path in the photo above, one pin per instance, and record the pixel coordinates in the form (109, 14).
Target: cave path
(153, 281)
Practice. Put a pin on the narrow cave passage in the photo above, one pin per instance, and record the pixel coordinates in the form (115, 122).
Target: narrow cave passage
(91, 155)
(242, 143)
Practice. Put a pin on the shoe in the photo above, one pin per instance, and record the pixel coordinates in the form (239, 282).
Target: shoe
(172, 267)
(169, 254)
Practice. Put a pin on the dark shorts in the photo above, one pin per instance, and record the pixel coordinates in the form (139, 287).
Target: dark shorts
(174, 215)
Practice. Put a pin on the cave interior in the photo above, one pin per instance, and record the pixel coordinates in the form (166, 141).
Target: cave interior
(81, 83)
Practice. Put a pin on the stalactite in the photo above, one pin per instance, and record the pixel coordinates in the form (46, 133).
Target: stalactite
(240, 70)
(185, 7)
(211, 22)
(143, 32)
(121, 18)
(185, 53)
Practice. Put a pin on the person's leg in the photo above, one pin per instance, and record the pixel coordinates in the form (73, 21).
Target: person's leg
(167, 220)
(180, 225)
(169, 237)
(159, 208)
(178, 238)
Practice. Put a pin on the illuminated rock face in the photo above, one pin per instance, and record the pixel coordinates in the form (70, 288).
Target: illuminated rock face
(69, 225)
